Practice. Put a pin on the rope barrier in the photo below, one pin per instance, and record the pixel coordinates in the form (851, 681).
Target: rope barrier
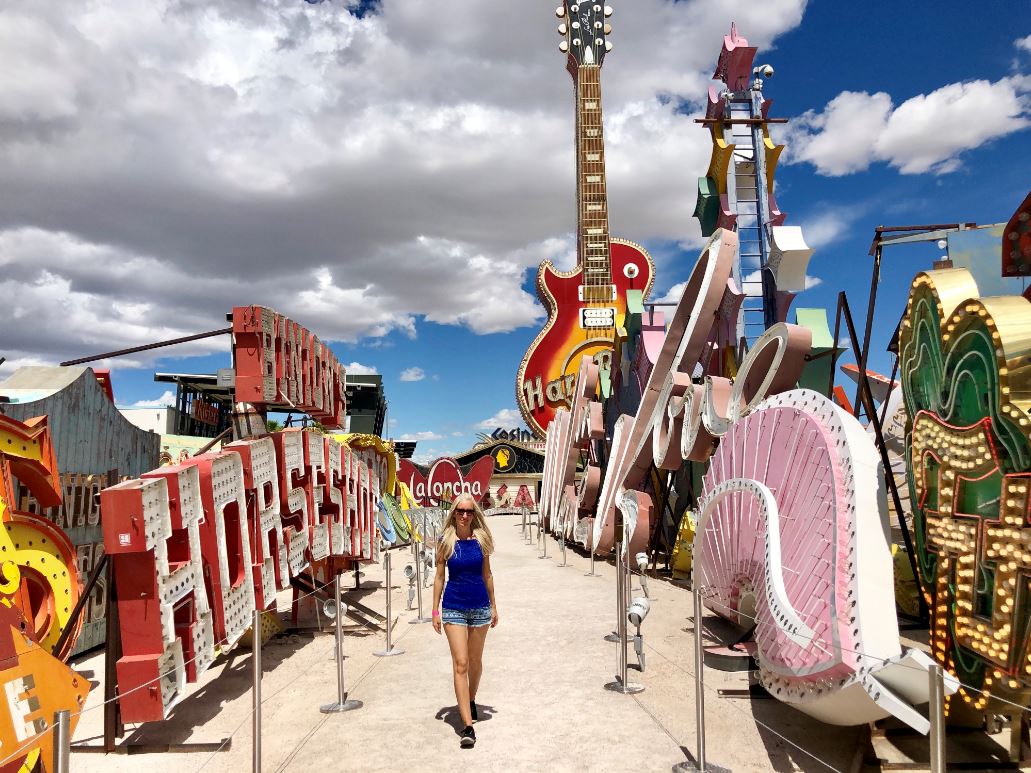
(837, 647)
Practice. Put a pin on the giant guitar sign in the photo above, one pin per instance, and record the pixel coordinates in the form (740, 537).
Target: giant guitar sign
(586, 305)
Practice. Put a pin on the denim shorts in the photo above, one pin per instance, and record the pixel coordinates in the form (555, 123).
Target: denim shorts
(470, 618)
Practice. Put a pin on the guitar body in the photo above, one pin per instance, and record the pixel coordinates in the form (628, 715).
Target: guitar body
(548, 371)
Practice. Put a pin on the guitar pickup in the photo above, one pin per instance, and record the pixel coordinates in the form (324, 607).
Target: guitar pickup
(597, 318)
(602, 293)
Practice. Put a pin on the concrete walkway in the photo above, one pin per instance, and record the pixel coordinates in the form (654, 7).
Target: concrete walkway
(543, 705)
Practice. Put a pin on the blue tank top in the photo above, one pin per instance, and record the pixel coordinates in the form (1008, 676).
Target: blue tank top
(465, 587)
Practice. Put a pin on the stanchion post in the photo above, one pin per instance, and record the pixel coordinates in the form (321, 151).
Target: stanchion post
(256, 692)
(418, 585)
(591, 573)
(936, 710)
(62, 741)
(622, 684)
(699, 670)
(342, 703)
(562, 542)
(544, 539)
(523, 532)
(391, 650)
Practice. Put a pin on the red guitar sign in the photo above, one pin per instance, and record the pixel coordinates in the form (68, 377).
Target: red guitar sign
(586, 305)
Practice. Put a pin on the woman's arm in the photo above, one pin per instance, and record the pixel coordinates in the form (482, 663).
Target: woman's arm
(488, 580)
(438, 589)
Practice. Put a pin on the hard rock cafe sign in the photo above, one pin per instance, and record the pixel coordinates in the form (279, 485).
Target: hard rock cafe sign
(445, 479)
(585, 306)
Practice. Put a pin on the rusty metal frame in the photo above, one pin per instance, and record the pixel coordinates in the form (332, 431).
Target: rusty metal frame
(147, 347)
(867, 401)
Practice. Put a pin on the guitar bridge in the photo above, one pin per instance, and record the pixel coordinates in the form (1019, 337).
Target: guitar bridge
(592, 318)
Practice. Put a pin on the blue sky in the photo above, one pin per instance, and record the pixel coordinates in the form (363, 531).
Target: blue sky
(475, 182)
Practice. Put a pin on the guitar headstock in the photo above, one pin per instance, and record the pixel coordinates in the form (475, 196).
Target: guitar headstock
(584, 31)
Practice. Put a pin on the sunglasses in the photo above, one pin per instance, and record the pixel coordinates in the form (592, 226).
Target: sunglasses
(463, 511)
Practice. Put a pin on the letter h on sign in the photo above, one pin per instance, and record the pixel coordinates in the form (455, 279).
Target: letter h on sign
(151, 533)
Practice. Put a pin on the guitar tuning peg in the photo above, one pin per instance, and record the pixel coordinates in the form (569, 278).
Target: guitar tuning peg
(562, 29)
(608, 29)
(608, 11)
(608, 45)
(560, 11)
(563, 46)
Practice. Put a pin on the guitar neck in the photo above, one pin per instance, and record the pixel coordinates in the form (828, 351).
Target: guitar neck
(592, 201)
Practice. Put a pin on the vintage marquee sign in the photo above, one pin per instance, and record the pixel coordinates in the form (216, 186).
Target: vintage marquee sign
(965, 382)
(445, 479)
(517, 434)
(748, 490)
(571, 431)
(39, 587)
(792, 538)
(196, 547)
(204, 412)
(280, 363)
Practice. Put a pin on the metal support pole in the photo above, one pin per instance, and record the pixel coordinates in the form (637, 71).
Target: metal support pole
(418, 584)
(614, 636)
(936, 711)
(622, 684)
(621, 617)
(699, 670)
(62, 740)
(591, 573)
(343, 704)
(391, 650)
(562, 539)
(256, 692)
(545, 540)
(523, 532)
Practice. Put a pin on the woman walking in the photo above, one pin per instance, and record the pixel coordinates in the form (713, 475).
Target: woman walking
(468, 605)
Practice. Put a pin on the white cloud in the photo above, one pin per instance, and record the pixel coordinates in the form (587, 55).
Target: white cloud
(165, 160)
(674, 294)
(425, 455)
(1024, 44)
(357, 369)
(420, 436)
(413, 374)
(168, 398)
(506, 418)
(456, 433)
(827, 227)
(926, 133)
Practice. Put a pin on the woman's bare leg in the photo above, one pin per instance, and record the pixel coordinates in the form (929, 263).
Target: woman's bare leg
(458, 640)
(477, 637)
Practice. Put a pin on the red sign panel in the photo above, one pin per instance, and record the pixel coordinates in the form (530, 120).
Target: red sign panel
(280, 363)
(204, 412)
(445, 479)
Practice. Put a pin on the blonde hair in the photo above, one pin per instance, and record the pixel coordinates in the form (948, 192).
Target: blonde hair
(481, 532)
